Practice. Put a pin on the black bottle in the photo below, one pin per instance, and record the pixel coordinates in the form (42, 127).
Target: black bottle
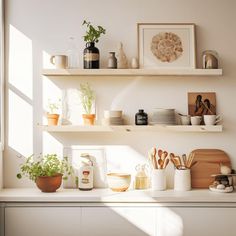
(141, 118)
(91, 56)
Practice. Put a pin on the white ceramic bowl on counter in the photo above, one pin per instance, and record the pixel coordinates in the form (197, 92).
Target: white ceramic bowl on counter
(118, 182)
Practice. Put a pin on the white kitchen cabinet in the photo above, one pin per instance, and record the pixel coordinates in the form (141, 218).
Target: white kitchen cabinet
(73, 219)
(186, 221)
(116, 221)
(46, 221)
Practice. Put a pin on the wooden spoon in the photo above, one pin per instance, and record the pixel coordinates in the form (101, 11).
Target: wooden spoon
(160, 162)
(159, 153)
(165, 163)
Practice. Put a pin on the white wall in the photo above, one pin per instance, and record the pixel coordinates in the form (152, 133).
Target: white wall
(36, 28)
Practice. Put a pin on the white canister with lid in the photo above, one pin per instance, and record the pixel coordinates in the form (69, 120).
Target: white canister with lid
(85, 173)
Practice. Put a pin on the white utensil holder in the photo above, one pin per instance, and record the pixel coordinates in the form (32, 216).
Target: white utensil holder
(182, 180)
(159, 179)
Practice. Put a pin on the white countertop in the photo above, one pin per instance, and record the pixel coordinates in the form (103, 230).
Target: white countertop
(108, 196)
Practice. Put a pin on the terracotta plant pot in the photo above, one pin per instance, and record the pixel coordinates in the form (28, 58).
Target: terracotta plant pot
(49, 184)
(52, 119)
(89, 119)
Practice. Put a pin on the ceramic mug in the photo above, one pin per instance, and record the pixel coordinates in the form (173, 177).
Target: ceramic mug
(196, 120)
(185, 120)
(60, 61)
(211, 119)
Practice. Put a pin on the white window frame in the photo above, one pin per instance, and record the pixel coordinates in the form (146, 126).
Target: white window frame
(2, 84)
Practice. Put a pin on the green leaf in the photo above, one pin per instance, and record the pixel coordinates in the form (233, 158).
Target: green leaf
(19, 176)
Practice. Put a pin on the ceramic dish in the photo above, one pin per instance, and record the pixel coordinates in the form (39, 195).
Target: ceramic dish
(212, 188)
(118, 182)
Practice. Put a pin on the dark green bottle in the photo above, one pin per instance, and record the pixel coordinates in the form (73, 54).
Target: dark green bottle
(91, 56)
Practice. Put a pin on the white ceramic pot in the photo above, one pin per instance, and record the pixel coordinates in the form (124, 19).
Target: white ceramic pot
(159, 179)
(118, 182)
(182, 180)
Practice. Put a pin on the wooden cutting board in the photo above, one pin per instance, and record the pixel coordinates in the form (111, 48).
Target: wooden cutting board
(208, 163)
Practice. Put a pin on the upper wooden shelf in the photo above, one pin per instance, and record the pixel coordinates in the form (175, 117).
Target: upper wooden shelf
(133, 128)
(132, 72)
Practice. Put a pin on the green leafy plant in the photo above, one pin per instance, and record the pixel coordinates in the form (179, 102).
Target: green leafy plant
(93, 34)
(53, 107)
(87, 96)
(47, 165)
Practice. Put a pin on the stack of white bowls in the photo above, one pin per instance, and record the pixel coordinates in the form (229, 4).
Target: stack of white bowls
(112, 117)
(163, 116)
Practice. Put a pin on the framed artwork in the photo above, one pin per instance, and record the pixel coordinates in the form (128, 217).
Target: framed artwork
(201, 104)
(166, 46)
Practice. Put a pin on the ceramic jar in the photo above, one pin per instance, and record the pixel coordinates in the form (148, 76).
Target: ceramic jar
(158, 179)
(182, 181)
(112, 61)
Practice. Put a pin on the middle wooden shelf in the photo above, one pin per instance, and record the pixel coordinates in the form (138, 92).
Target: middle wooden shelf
(133, 128)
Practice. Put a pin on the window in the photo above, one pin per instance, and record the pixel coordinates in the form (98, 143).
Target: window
(1, 70)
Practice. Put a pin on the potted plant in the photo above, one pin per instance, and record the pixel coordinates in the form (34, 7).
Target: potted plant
(53, 115)
(91, 53)
(87, 96)
(46, 171)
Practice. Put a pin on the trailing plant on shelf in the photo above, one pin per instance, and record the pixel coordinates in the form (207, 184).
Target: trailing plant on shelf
(46, 171)
(91, 53)
(53, 110)
(87, 97)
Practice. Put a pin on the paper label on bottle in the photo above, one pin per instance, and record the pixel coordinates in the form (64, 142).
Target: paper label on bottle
(91, 56)
(85, 178)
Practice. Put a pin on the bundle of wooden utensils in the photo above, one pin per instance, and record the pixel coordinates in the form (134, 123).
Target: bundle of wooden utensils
(158, 158)
(183, 162)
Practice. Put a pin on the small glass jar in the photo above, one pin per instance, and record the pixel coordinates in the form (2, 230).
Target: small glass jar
(142, 180)
(141, 118)
(210, 59)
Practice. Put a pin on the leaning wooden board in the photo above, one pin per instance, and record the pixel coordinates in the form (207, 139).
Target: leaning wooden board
(208, 163)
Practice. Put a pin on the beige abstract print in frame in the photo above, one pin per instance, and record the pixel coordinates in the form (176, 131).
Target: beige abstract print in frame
(166, 46)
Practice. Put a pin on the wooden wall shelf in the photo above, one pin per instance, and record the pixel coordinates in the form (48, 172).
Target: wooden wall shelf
(132, 72)
(133, 128)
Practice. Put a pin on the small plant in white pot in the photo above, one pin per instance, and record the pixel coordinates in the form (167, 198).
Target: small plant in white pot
(53, 113)
(87, 97)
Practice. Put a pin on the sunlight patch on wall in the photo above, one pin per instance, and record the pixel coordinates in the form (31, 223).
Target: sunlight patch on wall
(20, 66)
(20, 134)
(51, 145)
(123, 158)
(51, 93)
(46, 61)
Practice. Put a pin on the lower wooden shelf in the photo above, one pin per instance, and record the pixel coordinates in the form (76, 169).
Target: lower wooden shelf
(133, 128)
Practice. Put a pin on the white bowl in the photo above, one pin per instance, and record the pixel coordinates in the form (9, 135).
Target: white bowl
(112, 113)
(118, 182)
